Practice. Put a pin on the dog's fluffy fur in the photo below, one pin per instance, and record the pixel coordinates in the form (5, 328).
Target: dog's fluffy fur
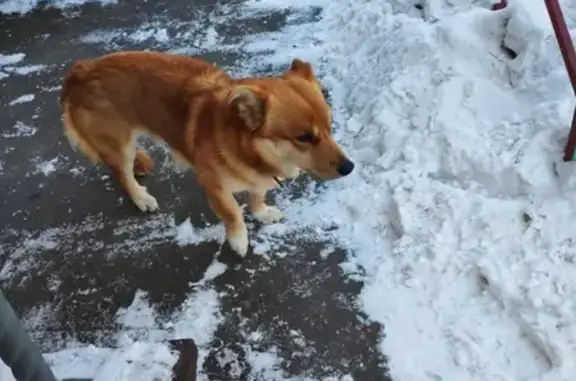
(238, 134)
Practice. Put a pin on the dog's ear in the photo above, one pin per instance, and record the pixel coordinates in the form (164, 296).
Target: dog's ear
(302, 69)
(249, 105)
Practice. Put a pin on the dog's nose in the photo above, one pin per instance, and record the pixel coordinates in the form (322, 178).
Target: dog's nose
(345, 167)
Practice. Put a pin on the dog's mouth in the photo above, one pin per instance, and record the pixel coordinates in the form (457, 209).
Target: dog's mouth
(343, 169)
(324, 176)
(331, 172)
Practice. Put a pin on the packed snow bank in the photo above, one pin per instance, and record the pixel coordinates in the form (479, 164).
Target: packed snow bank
(460, 212)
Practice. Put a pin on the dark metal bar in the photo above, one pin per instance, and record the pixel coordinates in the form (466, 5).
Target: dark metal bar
(569, 56)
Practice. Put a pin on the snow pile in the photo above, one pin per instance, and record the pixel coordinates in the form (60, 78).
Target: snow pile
(459, 212)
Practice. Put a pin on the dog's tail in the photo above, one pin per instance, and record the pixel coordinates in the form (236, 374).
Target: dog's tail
(75, 135)
(74, 115)
(76, 76)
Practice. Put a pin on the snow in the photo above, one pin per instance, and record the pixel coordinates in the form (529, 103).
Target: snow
(149, 360)
(7, 62)
(25, 70)
(9, 59)
(460, 212)
(22, 99)
(19, 130)
(25, 6)
(455, 147)
(47, 167)
(187, 234)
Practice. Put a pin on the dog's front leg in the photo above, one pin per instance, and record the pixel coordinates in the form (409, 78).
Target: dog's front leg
(226, 207)
(264, 213)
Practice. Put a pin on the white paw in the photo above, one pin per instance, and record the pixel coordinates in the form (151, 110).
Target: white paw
(239, 243)
(145, 201)
(268, 215)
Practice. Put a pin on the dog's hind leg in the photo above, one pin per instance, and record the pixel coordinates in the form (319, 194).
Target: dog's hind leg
(123, 165)
(114, 142)
(143, 163)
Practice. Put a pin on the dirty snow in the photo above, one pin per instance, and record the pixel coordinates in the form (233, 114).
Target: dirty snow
(460, 212)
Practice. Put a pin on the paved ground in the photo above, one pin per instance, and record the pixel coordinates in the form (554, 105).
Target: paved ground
(77, 251)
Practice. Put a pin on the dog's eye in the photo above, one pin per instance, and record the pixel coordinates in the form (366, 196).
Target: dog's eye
(306, 138)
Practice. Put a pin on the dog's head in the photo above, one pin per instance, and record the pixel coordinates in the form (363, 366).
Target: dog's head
(291, 122)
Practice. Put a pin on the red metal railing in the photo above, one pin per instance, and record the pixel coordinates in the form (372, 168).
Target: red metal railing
(501, 5)
(569, 56)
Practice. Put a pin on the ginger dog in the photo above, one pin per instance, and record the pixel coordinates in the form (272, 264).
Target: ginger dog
(237, 134)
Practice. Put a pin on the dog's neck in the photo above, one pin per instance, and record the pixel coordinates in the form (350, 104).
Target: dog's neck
(243, 155)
